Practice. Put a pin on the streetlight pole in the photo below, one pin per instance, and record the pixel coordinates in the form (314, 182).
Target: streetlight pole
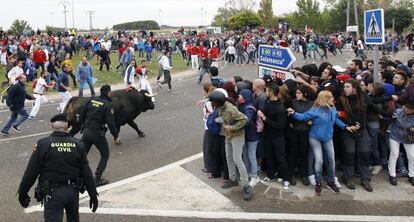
(205, 18)
(347, 12)
(159, 16)
(202, 14)
(356, 15)
(73, 15)
(51, 18)
(65, 3)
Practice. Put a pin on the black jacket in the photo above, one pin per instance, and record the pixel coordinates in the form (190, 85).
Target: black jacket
(16, 96)
(58, 158)
(98, 112)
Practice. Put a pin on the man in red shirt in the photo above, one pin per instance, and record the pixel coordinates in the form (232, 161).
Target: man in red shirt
(200, 47)
(214, 54)
(194, 56)
(39, 57)
(188, 49)
(120, 52)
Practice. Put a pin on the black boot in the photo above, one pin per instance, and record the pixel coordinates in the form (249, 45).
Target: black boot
(99, 181)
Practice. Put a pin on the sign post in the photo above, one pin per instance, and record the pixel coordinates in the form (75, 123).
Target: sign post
(374, 32)
(275, 62)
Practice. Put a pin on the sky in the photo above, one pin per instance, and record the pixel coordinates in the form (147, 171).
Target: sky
(40, 13)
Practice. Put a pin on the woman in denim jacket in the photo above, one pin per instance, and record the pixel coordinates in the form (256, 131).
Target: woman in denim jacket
(401, 131)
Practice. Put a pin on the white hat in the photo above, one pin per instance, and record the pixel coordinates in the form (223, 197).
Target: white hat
(223, 91)
(339, 69)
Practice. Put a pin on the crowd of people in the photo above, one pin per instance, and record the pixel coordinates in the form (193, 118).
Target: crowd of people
(327, 118)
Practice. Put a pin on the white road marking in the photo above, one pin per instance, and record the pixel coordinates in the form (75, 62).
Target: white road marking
(129, 180)
(26, 136)
(244, 215)
(183, 191)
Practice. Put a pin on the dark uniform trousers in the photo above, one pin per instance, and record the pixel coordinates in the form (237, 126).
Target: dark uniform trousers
(64, 197)
(90, 138)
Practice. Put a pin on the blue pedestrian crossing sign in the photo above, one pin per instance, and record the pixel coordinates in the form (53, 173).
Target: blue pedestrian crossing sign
(374, 28)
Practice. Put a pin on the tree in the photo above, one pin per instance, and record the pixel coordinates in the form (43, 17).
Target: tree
(266, 13)
(244, 19)
(231, 8)
(308, 14)
(20, 27)
(403, 18)
(222, 17)
(240, 5)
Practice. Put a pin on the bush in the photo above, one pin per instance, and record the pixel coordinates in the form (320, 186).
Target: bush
(137, 25)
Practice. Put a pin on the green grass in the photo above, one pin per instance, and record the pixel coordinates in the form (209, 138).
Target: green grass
(114, 76)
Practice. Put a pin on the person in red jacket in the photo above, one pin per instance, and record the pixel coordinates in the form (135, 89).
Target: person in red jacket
(39, 58)
(194, 57)
(188, 49)
(214, 54)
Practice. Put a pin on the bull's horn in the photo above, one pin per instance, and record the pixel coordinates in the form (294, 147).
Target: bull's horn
(149, 95)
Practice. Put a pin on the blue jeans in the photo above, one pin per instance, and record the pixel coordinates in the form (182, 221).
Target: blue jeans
(317, 146)
(89, 82)
(239, 59)
(249, 157)
(149, 56)
(203, 71)
(13, 121)
(373, 133)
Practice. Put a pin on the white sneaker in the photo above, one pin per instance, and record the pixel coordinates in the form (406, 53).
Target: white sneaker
(279, 180)
(267, 179)
(336, 182)
(312, 180)
(377, 169)
(286, 185)
(254, 181)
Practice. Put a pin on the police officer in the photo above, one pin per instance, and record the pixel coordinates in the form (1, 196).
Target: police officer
(61, 163)
(98, 112)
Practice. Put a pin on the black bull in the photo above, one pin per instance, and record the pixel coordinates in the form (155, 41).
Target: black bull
(127, 106)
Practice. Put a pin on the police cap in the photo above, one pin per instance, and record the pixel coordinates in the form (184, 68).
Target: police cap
(218, 97)
(59, 118)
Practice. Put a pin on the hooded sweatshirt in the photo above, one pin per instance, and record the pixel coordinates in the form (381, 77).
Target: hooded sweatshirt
(248, 109)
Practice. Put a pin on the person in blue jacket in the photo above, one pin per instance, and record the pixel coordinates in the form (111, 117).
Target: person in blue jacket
(148, 50)
(247, 107)
(324, 116)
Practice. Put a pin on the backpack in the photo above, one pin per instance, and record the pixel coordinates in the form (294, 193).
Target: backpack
(213, 127)
(259, 122)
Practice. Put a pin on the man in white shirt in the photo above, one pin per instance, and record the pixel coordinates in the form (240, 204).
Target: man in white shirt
(15, 72)
(129, 78)
(361, 47)
(106, 44)
(38, 94)
(144, 84)
(166, 67)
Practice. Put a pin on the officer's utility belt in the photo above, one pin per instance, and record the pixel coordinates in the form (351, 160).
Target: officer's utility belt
(44, 189)
(100, 131)
(62, 183)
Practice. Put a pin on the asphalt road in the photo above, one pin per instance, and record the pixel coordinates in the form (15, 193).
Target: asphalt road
(174, 131)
